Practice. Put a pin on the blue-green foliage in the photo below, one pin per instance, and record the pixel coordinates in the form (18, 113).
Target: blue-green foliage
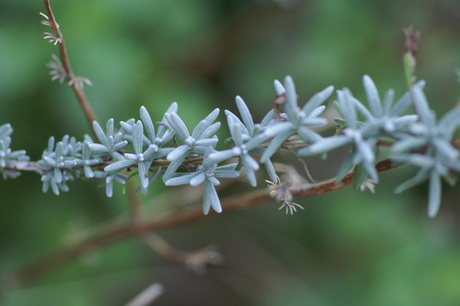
(181, 157)
(8, 158)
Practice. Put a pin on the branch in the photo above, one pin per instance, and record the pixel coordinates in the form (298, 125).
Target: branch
(70, 77)
(118, 232)
(194, 260)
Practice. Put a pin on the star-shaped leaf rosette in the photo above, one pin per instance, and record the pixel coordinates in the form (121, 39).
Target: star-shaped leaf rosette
(202, 137)
(379, 121)
(248, 138)
(428, 146)
(147, 148)
(296, 120)
(208, 173)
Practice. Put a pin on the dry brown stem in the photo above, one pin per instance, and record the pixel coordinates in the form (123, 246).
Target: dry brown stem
(70, 76)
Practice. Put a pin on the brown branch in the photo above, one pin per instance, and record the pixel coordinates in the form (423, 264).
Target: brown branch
(115, 233)
(195, 260)
(70, 77)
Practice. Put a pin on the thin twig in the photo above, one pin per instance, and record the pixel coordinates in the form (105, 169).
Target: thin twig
(195, 260)
(70, 77)
(115, 233)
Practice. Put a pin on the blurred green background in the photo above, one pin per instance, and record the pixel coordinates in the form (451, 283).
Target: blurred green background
(346, 248)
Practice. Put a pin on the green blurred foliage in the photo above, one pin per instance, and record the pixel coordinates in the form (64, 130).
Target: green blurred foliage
(347, 248)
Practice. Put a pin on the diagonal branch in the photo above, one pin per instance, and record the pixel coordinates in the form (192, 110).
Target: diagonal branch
(118, 232)
(70, 77)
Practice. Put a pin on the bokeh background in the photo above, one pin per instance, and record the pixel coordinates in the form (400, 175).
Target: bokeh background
(346, 248)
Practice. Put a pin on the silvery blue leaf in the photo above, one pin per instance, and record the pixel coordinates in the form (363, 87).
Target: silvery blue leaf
(388, 101)
(180, 179)
(138, 137)
(54, 187)
(5, 130)
(270, 170)
(164, 152)
(308, 135)
(120, 178)
(51, 144)
(227, 171)
(110, 142)
(178, 125)
(325, 145)
(57, 175)
(372, 96)
(257, 141)
(128, 127)
(17, 154)
(408, 143)
(143, 175)
(279, 88)
(163, 131)
(421, 160)
(317, 100)
(405, 120)
(347, 107)
(207, 142)
(117, 155)
(119, 165)
(404, 102)
(434, 194)
(109, 186)
(120, 145)
(59, 149)
(268, 118)
(174, 165)
(179, 151)
(450, 121)
(250, 175)
(236, 120)
(205, 123)
(274, 145)
(110, 129)
(131, 156)
(219, 156)
(245, 113)
(445, 148)
(210, 130)
(99, 133)
(235, 131)
(372, 171)
(86, 151)
(316, 112)
(88, 172)
(250, 162)
(314, 122)
(279, 128)
(211, 194)
(213, 180)
(197, 179)
(366, 151)
(49, 161)
(421, 106)
(361, 108)
(151, 150)
(290, 106)
(420, 129)
(206, 205)
(145, 116)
